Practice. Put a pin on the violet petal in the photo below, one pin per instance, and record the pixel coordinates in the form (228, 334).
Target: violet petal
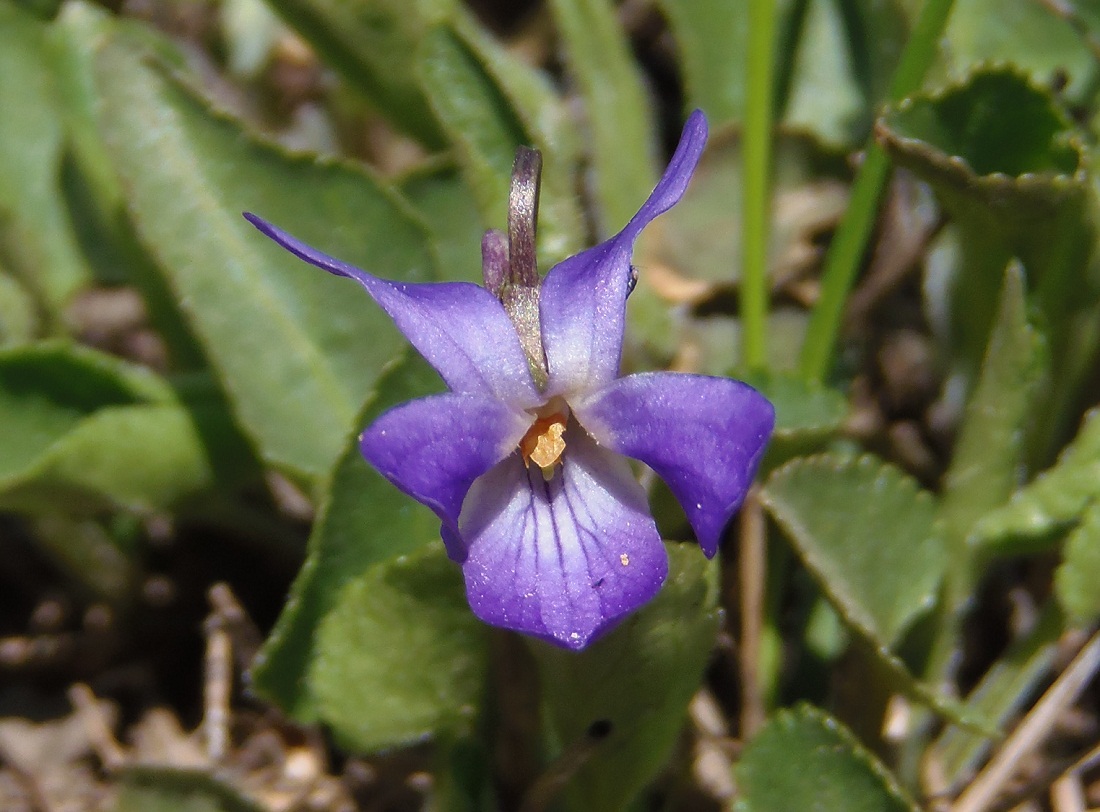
(703, 436)
(583, 298)
(459, 327)
(562, 560)
(434, 448)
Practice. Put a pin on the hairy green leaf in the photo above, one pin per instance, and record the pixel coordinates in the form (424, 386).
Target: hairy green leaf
(1053, 502)
(77, 427)
(445, 202)
(990, 452)
(1079, 573)
(1032, 36)
(489, 104)
(1005, 164)
(373, 43)
(619, 119)
(296, 350)
(400, 657)
(806, 760)
(867, 533)
(36, 236)
(547, 126)
(363, 521)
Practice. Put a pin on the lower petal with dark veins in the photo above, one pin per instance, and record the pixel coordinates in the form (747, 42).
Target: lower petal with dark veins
(565, 559)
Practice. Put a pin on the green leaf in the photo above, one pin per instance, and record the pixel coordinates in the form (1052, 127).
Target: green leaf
(639, 679)
(806, 760)
(807, 415)
(834, 61)
(446, 204)
(711, 37)
(867, 533)
(1051, 503)
(88, 553)
(1005, 164)
(1077, 576)
(45, 9)
(1025, 33)
(400, 657)
(18, 316)
(876, 33)
(77, 427)
(483, 125)
(996, 122)
(619, 119)
(824, 98)
(362, 521)
(170, 789)
(373, 43)
(91, 185)
(105, 461)
(1004, 690)
(36, 236)
(548, 126)
(990, 451)
(488, 116)
(296, 350)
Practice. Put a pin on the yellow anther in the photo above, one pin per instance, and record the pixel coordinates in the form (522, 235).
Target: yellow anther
(544, 442)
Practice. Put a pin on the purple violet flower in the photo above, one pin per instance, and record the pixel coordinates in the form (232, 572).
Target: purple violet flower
(523, 460)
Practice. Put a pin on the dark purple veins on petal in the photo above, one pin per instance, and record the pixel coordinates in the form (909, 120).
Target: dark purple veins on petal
(563, 560)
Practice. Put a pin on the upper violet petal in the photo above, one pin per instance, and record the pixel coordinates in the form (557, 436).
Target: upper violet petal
(703, 436)
(434, 448)
(563, 560)
(583, 299)
(460, 328)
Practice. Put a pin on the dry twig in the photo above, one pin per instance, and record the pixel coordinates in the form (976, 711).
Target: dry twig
(1032, 731)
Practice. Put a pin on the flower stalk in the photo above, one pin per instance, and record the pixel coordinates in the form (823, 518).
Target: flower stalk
(520, 291)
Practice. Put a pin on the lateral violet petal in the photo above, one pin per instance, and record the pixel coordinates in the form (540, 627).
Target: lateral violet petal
(460, 328)
(434, 448)
(563, 560)
(703, 436)
(583, 299)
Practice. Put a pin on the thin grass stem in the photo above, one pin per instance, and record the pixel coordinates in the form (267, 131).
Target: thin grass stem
(850, 242)
(756, 189)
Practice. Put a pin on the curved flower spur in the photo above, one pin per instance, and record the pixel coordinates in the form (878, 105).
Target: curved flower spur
(521, 460)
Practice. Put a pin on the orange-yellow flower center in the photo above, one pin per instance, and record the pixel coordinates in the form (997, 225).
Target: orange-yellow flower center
(544, 442)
